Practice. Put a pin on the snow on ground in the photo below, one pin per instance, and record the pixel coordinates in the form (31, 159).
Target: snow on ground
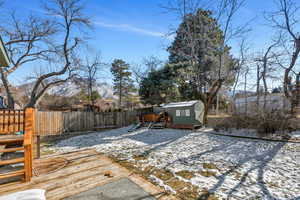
(243, 168)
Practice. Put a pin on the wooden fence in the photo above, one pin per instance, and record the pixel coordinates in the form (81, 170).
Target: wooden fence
(57, 122)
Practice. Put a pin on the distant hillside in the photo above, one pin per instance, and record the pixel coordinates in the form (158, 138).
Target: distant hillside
(72, 88)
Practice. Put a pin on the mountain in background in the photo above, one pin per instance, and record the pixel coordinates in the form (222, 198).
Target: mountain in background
(71, 88)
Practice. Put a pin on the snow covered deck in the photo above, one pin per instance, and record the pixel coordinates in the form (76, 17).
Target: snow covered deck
(234, 168)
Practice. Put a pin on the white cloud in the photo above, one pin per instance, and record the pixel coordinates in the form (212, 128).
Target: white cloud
(130, 28)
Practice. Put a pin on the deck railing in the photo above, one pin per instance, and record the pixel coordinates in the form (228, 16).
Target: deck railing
(13, 122)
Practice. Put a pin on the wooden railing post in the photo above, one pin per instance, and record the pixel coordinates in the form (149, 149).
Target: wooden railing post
(28, 162)
(28, 141)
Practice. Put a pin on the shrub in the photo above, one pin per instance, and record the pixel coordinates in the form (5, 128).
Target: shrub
(274, 121)
(264, 122)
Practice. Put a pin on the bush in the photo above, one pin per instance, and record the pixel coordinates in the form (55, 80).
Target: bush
(235, 121)
(271, 122)
(264, 122)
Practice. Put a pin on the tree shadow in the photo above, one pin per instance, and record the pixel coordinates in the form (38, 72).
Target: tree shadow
(262, 161)
(256, 159)
(142, 138)
(249, 154)
(244, 156)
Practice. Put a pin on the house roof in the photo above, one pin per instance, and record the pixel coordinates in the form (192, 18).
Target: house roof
(180, 104)
(4, 59)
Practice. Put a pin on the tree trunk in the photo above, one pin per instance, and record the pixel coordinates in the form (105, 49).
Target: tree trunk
(218, 104)
(208, 99)
(10, 98)
(120, 92)
(257, 86)
(295, 97)
(31, 103)
(90, 91)
(245, 92)
(205, 118)
(265, 90)
(287, 79)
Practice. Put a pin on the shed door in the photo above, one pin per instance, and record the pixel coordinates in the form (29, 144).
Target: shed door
(199, 112)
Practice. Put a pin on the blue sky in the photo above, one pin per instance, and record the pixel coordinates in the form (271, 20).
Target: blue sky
(134, 29)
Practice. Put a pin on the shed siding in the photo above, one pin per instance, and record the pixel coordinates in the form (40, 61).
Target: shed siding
(183, 120)
(185, 114)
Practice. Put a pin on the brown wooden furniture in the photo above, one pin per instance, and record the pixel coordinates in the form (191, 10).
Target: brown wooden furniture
(11, 122)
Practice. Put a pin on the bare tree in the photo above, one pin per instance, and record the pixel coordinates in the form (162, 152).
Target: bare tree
(26, 42)
(285, 20)
(139, 72)
(264, 68)
(149, 64)
(152, 63)
(243, 49)
(69, 16)
(90, 70)
(246, 72)
(258, 78)
(34, 40)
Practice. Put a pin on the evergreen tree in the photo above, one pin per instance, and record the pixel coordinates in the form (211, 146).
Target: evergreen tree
(202, 61)
(159, 87)
(123, 84)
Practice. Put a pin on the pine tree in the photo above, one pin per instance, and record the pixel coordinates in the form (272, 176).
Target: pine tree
(202, 61)
(123, 83)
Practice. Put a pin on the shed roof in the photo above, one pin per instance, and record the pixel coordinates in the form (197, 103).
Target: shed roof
(180, 104)
(4, 59)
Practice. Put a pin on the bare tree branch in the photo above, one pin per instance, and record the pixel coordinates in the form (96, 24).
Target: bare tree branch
(70, 16)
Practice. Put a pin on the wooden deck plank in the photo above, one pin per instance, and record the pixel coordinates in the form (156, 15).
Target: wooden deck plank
(80, 186)
(84, 170)
(72, 155)
(78, 166)
(63, 182)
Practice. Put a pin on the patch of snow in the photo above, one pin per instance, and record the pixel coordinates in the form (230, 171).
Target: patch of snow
(245, 168)
(161, 183)
(295, 135)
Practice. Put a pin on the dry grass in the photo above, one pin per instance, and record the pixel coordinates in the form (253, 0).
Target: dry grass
(206, 195)
(207, 173)
(186, 174)
(184, 190)
(209, 166)
(176, 184)
(140, 157)
(163, 174)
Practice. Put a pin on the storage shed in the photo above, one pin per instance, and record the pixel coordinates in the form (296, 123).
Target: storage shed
(187, 114)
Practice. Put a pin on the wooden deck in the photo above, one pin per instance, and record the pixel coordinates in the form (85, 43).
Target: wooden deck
(64, 175)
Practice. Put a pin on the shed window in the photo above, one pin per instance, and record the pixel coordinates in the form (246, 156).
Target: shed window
(182, 113)
(187, 113)
(177, 113)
